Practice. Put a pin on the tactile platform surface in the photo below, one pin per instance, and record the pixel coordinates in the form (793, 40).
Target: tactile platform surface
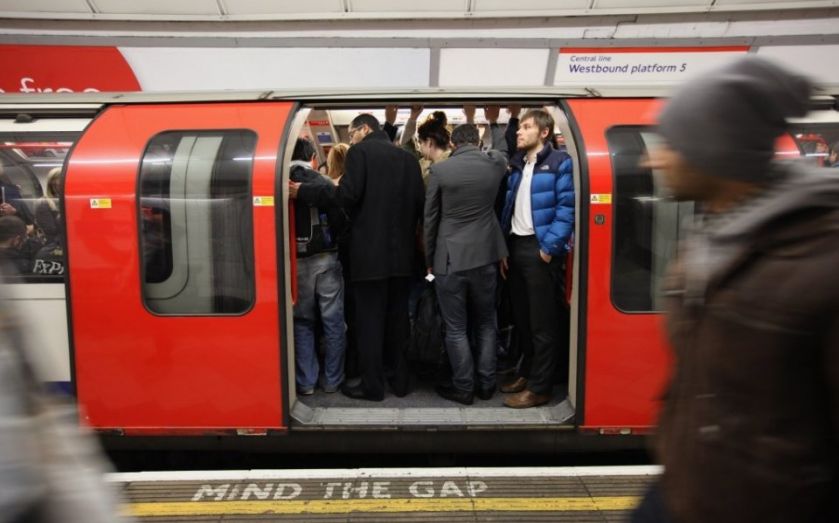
(453, 494)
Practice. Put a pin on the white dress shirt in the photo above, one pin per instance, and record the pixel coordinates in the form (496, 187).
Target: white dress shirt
(522, 213)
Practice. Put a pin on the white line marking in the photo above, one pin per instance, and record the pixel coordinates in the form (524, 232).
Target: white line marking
(456, 472)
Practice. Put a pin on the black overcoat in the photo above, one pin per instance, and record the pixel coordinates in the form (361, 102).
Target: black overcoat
(383, 193)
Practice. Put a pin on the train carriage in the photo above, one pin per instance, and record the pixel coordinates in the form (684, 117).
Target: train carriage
(170, 314)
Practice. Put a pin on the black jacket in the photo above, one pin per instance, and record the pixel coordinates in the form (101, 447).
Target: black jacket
(382, 191)
(317, 227)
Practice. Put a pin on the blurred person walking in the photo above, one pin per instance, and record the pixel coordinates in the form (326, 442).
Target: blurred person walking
(12, 236)
(749, 430)
(51, 470)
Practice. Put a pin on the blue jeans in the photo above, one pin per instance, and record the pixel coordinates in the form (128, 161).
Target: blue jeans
(320, 284)
(468, 298)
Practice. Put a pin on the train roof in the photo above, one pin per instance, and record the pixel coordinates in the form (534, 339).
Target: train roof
(826, 95)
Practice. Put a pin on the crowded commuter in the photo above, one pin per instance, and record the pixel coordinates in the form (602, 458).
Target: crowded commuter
(510, 133)
(833, 156)
(410, 129)
(49, 259)
(335, 162)
(335, 168)
(434, 138)
(12, 237)
(382, 191)
(433, 141)
(406, 137)
(749, 429)
(11, 201)
(821, 152)
(320, 283)
(464, 243)
(538, 217)
(47, 212)
(389, 127)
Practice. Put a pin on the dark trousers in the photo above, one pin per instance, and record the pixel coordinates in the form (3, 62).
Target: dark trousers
(382, 331)
(351, 355)
(468, 298)
(538, 294)
(651, 509)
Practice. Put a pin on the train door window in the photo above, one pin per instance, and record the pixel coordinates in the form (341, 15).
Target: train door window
(818, 143)
(31, 190)
(647, 225)
(196, 226)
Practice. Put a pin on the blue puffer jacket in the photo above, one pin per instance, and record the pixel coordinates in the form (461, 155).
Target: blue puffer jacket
(551, 198)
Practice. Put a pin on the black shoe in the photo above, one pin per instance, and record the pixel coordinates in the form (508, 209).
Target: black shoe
(357, 393)
(400, 388)
(452, 394)
(485, 394)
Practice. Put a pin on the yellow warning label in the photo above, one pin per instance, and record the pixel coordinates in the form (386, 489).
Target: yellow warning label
(601, 199)
(100, 203)
(263, 201)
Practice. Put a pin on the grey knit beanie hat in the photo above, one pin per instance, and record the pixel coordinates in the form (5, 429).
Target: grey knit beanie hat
(725, 124)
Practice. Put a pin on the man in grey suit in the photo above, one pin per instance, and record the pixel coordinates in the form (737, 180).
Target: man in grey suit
(464, 244)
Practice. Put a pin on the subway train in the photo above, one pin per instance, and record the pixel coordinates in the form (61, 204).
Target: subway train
(167, 314)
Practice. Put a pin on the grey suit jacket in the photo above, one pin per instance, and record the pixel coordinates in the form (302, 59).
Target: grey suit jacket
(461, 229)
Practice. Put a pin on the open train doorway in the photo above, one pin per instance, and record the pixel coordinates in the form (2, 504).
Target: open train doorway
(327, 127)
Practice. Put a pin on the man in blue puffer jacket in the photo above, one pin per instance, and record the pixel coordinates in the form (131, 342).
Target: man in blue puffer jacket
(538, 219)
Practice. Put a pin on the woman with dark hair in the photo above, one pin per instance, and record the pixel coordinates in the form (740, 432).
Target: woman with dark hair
(434, 137)
(434, 141)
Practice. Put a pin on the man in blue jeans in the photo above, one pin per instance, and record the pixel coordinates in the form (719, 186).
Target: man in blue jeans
(464, 243)
(320, 283)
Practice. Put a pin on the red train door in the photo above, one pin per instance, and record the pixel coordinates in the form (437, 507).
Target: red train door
(173, 260)
(625, 358)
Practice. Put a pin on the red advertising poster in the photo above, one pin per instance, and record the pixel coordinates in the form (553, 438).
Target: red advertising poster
(64, 69)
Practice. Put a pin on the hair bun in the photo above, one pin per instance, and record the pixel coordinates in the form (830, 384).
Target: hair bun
(434, 128)
(437, 119)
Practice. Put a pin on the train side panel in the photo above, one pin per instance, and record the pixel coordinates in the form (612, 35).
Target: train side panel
(625, 354)
(153, 352)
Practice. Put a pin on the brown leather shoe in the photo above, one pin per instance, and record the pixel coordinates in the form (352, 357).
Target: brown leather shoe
(526, 399)
(517, 385)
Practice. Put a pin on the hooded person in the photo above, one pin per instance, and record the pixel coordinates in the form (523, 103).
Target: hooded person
(749, 429)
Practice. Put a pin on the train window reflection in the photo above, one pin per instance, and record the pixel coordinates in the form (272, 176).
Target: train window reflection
(31, 187)
(647, 226)
(818, 144)
(196, 227)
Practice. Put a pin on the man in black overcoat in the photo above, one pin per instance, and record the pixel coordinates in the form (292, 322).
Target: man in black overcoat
(383, 193)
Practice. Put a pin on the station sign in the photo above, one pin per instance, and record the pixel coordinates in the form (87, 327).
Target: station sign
(639, 66)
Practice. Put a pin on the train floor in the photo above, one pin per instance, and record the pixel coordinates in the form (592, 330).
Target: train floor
(570, 494)
(423, 407)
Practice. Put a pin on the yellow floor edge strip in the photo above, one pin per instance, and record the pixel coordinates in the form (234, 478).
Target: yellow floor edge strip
(343, 506)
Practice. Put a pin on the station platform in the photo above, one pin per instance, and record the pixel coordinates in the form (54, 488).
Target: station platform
(601, 494)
